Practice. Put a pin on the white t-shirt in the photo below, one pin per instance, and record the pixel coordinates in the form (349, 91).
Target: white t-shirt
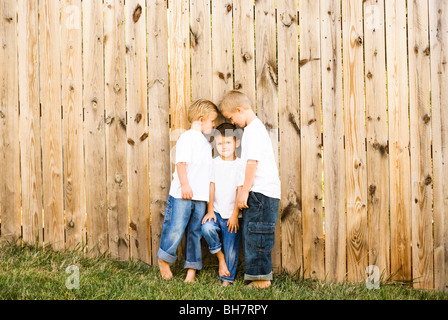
(193, 148)
(256, 145)
(227, 176)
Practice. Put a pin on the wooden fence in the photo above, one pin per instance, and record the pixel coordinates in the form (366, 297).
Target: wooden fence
(354, 93)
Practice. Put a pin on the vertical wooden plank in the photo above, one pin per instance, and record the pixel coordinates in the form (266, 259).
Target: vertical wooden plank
(94, 134)
(116, 138)
(288, 88)
(311, 143)
(244, 46)
(438, 11)
(201, 50)
(9, 120)
(420, 138)
(179, 71)
(159, 132)
(201, 64)
(50, 77)
(179, 62)
(333, 140)
(30, 122)
(266, 81)
(399, 162)
(354, 114)
(377, 136)
(222, 62)
(137, 129)
(71, 57)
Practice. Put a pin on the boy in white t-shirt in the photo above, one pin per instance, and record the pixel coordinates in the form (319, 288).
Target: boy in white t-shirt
(189, 192)
(260, 195)
(222, 212)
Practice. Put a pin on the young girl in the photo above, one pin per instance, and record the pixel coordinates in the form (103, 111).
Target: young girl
(222, 212)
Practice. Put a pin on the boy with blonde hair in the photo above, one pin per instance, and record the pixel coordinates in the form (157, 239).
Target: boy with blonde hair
(189, 192)
(260, 195)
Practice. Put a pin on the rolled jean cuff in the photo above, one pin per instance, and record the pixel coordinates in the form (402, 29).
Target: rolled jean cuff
(193, 265)
(166, 256)
(260, 277)
(215, 250)
(228, 279)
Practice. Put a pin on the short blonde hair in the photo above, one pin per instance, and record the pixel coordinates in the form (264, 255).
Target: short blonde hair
(234, 99)
(201, 108)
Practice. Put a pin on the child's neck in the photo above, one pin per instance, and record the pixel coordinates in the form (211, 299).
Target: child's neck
(231, 158)
(250, 117)
(196, 125)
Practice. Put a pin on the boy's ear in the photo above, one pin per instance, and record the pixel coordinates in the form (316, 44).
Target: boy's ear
(238, 143)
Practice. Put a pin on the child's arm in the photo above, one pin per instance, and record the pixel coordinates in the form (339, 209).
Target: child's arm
(187, 192)
(232, 223)
(210, 210)
(251, 167)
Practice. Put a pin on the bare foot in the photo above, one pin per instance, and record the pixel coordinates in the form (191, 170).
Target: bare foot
(191, 275)
(165, 270)
(226, 283)
(261, 284)
(222, 270)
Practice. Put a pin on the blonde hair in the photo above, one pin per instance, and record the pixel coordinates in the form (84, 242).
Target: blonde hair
(234, 99)
(201, 108)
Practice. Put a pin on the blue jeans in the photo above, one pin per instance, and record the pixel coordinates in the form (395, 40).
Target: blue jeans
(182, 216)
(230, 242)
(258, 235)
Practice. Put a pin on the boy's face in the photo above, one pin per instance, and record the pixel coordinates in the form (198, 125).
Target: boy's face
(238, 117)
(208, 124)
(226, 146)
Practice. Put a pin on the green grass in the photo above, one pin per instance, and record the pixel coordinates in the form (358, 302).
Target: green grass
(30, 273)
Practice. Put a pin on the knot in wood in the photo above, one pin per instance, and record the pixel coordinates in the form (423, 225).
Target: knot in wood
(247, 56)
(286, 19)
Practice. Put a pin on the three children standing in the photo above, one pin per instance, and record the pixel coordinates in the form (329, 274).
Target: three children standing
(206, 195)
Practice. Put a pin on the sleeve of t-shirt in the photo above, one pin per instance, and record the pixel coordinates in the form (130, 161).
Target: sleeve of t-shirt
(183, 149)
(254, 146)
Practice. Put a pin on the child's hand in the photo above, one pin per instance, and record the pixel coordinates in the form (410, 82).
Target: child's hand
(209, 216)
(187, 192)
(243, 195)
(232, 223)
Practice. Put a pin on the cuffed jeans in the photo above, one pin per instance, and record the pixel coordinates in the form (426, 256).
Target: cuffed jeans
(258, 235)
(230, 242)
(182, 216)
